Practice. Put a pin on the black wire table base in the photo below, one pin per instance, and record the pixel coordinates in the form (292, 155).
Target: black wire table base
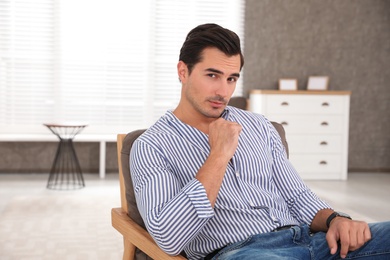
(65, 173)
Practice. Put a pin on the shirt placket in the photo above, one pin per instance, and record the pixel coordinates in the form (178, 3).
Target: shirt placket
(245, 190)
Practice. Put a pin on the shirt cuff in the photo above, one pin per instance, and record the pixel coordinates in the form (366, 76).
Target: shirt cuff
(196, 193)
(308, 206)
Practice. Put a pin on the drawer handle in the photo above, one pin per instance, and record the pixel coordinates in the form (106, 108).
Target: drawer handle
(284, 123)
(324, 143)
(323, 163)
(324, 123)
(284, 103)
(325, 104)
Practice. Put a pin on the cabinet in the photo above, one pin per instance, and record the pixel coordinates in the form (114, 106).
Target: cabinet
(316, 125)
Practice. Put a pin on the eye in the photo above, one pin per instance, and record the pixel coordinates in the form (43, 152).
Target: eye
(232, 79)
(212, 75)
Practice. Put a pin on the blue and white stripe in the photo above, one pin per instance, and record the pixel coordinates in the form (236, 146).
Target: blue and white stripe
(260, 191)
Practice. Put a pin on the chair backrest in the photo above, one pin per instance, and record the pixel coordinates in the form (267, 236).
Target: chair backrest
(128, 202)
(239, 102)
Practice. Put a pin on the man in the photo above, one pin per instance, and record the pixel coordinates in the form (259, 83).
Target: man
(214, 180)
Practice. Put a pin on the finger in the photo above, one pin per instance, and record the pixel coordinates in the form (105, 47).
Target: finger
(355, 237)
(361, 239)
(331, 238)
(367, 234)
(344, 243)
(363, 235)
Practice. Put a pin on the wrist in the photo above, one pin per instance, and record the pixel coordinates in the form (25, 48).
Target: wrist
(334, 215)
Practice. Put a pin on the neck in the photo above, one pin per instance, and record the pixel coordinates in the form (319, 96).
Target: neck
(193, 119)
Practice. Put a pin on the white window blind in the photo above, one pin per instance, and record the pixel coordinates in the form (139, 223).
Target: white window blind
(108, 63)
(27, 64)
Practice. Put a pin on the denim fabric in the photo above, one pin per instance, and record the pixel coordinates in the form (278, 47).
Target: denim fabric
(298, 243)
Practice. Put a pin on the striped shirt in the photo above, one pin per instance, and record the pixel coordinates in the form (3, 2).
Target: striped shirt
(260, 191)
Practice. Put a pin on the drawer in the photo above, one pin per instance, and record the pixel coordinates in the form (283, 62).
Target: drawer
(304, 104)
(297, 124)
(315, 143)
(317, 166)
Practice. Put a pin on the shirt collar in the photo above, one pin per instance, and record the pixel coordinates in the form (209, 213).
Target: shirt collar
(225, 114)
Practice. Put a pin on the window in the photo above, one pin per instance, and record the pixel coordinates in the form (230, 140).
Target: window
(108, 63)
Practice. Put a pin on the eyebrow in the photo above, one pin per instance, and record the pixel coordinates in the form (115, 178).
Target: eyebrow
(221, 73)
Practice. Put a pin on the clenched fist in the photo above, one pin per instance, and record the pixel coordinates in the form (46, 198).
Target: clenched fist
(223, 138)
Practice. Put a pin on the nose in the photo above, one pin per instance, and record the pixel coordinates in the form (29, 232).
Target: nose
(222, 90)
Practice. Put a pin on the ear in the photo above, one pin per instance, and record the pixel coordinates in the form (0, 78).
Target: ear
(182, 71)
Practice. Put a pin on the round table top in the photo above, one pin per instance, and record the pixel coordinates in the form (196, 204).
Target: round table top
(66, 130)
(66, 124)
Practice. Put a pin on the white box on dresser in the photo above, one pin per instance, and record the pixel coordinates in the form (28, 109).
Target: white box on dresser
(316, 125)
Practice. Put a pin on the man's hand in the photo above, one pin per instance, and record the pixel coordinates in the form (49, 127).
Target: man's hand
(223, 140)
(351, 234)
(223, 137)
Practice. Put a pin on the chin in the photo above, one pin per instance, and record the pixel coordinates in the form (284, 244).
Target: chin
(214, 113)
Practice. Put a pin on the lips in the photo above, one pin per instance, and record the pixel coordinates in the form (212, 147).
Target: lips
(217, 104)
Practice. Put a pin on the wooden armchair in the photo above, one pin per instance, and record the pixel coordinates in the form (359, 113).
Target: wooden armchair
(138, 244)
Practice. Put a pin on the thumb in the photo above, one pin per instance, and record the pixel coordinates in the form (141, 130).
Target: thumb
(333, 249)
(331, 238)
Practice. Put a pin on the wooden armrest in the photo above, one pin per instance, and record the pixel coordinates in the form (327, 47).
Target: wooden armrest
(138, 236)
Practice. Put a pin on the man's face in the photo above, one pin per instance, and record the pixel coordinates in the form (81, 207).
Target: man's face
(208, 88)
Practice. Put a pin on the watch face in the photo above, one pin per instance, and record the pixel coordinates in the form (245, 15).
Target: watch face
(342, 214)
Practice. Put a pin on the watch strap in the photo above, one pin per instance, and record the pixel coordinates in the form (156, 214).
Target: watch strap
(335, 214)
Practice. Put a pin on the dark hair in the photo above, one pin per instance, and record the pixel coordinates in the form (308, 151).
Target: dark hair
(209, 35)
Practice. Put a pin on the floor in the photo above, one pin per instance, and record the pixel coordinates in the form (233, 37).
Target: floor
(364, 196)
(76, 224)
(41, 224)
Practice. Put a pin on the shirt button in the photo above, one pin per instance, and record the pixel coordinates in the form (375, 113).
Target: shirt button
(237, 174)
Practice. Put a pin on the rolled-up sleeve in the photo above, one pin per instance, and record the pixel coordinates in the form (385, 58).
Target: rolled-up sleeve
(302, 202)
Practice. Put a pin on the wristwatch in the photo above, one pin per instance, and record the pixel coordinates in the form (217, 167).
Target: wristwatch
(336, 214)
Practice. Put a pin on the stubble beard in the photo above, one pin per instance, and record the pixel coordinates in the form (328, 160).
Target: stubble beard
(204, 110)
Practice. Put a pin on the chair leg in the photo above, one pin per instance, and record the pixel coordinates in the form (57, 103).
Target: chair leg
(129, 250)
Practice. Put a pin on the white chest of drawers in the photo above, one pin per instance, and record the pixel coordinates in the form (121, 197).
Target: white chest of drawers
(316, 125)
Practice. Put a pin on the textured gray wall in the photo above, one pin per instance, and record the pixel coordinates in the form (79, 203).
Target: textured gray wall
(347, 40)
(37, 157)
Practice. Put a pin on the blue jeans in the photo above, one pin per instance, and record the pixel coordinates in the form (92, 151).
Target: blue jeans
(298, 243)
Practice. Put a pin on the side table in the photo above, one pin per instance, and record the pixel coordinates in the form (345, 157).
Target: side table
(65, 173)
